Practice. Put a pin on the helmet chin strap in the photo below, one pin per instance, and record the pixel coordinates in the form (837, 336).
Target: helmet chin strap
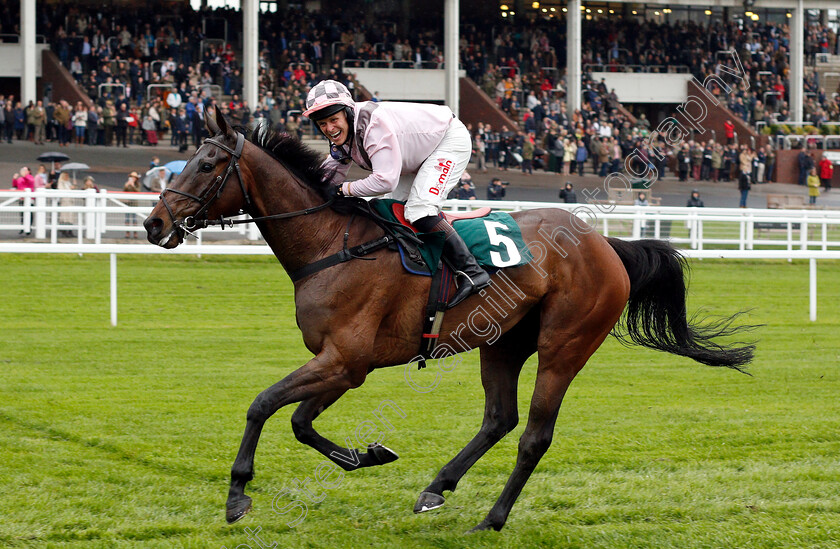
(339, 154)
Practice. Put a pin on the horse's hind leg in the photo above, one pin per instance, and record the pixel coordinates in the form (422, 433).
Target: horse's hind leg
(551, 385)
(565, 344)
(347, 458)
(501, 364)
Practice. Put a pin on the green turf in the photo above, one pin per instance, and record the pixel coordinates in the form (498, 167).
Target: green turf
(124, 437)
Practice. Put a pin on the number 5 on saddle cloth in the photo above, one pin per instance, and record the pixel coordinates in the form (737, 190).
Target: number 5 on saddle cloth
(494, 239)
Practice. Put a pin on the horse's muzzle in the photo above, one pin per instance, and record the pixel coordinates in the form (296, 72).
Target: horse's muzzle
(155, 233)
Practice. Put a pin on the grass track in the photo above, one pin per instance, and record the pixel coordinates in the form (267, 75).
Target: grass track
(123, 437)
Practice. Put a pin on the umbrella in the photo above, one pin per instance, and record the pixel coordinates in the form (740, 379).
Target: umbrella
(176, 166)
(73, 167)
(53, 157)
(153, 174)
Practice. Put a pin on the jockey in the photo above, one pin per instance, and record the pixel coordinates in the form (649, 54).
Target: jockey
(389, 139)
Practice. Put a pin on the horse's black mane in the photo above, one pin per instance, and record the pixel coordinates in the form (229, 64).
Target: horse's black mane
(303, 161)
(306, 164)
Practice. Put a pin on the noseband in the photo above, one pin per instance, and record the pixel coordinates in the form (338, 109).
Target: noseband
(214, 191)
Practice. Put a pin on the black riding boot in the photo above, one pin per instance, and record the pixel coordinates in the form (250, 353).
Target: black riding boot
(472, 278)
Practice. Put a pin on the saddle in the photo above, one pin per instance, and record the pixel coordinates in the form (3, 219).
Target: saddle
(398, 209)
(494, 239)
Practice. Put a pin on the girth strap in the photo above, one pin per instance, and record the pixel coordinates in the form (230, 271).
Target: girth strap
(436, 306)
(341, 257)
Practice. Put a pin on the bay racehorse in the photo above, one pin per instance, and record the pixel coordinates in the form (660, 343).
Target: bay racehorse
(359, 316)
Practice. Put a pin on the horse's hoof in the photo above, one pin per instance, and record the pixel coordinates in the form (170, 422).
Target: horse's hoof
(381, 454)
(237, 509)
(428, 501)
(483, 526)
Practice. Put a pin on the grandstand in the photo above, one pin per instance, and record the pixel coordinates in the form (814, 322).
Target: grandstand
(118, 428)
(617, 72)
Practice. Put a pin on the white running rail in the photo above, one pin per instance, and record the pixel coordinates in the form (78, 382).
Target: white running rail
(727, 233)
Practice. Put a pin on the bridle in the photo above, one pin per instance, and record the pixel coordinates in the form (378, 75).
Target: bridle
(214, 191)
(211, 193)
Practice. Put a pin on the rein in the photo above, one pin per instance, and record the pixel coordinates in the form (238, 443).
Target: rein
(394, 231)
(222, 222)
(195, 221)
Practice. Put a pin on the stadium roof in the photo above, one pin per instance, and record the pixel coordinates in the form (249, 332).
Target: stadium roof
(759, 4)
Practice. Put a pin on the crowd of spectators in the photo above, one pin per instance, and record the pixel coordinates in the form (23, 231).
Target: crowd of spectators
(616, 44)
(519, 72)
(129, 66)
(598, 133)
(711, 161)
(152, 79)
(764, 50)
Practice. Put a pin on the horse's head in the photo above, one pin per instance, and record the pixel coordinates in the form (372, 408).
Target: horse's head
(209, 187)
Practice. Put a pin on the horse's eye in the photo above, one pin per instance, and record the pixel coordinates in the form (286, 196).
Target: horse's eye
(206, 167)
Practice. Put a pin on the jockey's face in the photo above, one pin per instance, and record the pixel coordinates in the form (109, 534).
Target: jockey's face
(335, 127)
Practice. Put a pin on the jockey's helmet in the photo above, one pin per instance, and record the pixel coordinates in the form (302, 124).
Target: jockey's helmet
(327, 98)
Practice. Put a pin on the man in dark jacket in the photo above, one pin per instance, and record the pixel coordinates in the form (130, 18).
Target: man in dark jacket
(805, 165)
(694, 201)
(567, 194)
(730, 162)
(465, 191)
(683, 162)
(496, 190)
(122, 125)
(706, 166)
(180, 125)
(92, 126)
(245, 112)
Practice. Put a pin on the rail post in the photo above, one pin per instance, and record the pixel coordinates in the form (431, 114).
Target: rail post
(26, 216)
(90, 216)
(813, 292)
(113, 289)
(40, 215)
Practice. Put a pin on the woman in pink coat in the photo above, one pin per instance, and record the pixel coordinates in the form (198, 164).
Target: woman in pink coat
(21, 181)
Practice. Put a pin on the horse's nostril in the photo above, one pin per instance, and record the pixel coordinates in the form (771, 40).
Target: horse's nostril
(153, 226)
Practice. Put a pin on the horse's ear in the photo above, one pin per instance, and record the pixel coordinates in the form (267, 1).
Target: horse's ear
(215, 121)
(210, 121)
(222, 123)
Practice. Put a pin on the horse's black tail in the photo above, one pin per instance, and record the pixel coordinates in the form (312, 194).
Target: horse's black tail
(656, 311)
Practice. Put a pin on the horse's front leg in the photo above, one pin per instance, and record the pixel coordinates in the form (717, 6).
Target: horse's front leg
(345, 457)
(324, 374)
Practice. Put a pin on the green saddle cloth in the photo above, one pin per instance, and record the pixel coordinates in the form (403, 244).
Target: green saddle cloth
(495, 239)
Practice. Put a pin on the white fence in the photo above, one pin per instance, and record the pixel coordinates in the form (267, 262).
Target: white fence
(699, 228)
(92, 215)
(88, 214)
(699, 232)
